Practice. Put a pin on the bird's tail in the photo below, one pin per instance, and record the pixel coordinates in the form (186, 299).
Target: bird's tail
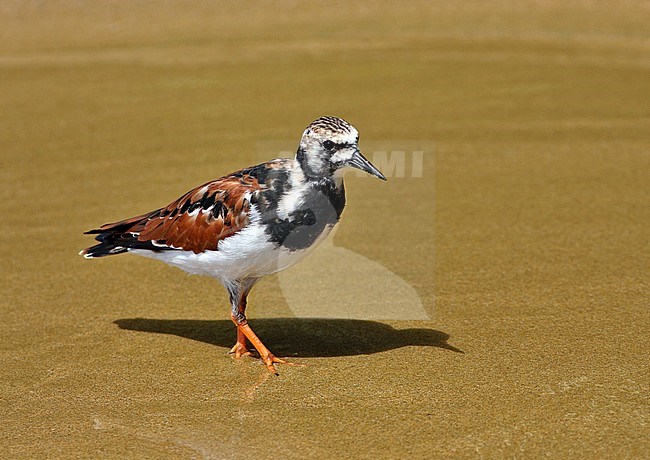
(119, 237)
(106, 247)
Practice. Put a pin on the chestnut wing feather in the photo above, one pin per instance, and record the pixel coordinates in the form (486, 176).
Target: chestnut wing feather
(200, 219)
(195, 222)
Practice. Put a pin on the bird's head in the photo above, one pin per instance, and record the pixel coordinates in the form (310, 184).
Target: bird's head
(328, 146)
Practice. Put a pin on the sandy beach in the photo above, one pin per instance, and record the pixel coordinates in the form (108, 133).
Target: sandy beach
(501, 286)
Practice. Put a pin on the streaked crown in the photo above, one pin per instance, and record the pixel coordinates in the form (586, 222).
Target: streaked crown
(328, 125)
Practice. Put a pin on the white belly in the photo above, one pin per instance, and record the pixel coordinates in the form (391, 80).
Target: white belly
(243, 255)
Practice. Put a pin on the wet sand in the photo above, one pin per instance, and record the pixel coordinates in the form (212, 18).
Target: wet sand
(525, 240)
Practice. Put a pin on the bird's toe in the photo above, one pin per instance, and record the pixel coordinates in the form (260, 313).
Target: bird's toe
(240, 350)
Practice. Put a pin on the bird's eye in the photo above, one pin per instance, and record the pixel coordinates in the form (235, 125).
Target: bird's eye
(329, 145)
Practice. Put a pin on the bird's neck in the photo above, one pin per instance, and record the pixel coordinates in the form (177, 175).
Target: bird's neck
(315, 168)
(303, 172)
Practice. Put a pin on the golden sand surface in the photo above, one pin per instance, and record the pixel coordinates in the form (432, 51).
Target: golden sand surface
(525, 240)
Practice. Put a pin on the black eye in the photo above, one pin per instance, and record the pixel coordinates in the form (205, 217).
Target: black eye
(329, 145)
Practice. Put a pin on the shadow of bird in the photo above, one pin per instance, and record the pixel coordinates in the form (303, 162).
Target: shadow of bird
(309, 337)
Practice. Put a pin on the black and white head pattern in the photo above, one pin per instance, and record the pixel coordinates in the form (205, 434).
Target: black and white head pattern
(326, 146)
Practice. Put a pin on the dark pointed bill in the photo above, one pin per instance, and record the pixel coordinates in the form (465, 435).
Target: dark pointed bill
(360, 162)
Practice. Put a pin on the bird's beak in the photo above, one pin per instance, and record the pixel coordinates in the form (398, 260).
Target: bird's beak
(360, 162)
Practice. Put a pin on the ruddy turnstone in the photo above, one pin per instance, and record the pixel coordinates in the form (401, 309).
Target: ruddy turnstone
(250, 223)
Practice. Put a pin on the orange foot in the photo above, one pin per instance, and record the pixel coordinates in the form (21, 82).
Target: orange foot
(270, 360)
(239, 350)
(244, 332)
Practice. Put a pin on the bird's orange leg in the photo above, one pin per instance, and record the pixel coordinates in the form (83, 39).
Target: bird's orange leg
(241, 348)
(238, 294)
(268, 358)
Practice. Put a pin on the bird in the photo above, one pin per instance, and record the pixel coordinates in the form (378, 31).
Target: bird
(248, 224)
